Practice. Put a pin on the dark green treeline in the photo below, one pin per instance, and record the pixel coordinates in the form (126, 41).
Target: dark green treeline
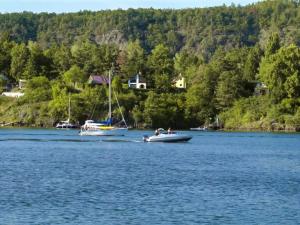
(242, 65)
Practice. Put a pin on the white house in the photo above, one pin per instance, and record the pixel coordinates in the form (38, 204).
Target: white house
(179, 82)
(22, 84)
(13, 94)
(137, 82)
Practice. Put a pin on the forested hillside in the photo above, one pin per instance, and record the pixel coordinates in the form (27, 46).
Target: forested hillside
(242, 65)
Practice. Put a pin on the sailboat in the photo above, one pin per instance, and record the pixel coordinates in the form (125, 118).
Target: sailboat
(105, 128)
(67, 124)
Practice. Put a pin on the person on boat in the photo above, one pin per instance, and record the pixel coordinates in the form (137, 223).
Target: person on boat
(156, 132)
(170, 131)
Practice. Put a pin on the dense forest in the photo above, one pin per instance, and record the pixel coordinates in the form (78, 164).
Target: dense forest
(242, 65)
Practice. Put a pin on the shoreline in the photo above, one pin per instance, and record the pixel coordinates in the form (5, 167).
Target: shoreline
(295, 130)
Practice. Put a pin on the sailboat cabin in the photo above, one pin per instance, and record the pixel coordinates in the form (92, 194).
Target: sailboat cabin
(137, 82)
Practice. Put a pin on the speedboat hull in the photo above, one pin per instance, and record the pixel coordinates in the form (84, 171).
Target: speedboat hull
(168, 138)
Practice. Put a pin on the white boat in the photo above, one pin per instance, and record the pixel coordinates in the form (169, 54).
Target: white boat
(199, 128)
(105, 128)
(118, 131)
(163, 136)
(92, 128)
(67, 124)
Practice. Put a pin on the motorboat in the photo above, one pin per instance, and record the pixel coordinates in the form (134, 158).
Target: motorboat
(199, 128)
(164, 136)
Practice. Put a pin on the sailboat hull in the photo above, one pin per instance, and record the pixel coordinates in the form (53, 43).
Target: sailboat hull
(90, 128)
(104, 132)
(66, 126)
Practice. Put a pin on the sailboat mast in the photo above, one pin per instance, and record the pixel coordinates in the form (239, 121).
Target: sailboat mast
(69, 108)
(109, 95)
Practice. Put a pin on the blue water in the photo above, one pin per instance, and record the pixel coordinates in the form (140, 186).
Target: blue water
(58, 177)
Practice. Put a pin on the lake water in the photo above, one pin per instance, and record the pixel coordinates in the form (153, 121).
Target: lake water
(58, 177)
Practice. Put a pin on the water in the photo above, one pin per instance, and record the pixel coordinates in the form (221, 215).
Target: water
(58, 177)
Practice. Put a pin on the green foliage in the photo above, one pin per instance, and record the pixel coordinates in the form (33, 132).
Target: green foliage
(19, 58)
(161, 66)
(294, 120)
(74, 77)
(117, 84)
(38, 89)
(249, 113)
(61, 58)
(5, 57)
(3, 82)
(273, 45)
(218, 50)
(200, 103)
(133, 59)
(252, 64)
(160, 61)
(281, 73)
(163, 110)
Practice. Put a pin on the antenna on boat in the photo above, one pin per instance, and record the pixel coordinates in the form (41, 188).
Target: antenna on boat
(120, 109)
(109, 94)
(69, 108)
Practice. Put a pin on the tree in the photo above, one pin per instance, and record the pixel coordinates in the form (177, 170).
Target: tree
(161, 66)
(228, 89)
(134, 59)
(231, 83)
(164, 110)
(252, 63)
(281, 73)
(200, 102)
(104, 57)
(61, 58)
(83, 54)
(36, 64)
(74, 76)
(19, 57)
(273, 44)
(186, 64)
(137, 116)
(5, 56)
(117, 84)
(38, 89)
(3, 82)
(183, 60)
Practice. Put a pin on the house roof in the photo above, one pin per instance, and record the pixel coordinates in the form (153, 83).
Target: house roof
(134, 78)
(98, 79)
(142, 79)
(178, 78)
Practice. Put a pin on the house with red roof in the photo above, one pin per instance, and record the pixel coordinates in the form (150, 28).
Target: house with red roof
(98, 80)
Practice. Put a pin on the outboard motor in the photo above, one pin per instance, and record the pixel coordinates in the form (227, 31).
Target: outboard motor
(145, 137)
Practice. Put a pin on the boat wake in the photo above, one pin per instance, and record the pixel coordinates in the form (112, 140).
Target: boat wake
(121, 140)
(47, 140)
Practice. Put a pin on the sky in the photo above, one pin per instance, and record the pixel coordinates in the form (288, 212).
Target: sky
(59, 6)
